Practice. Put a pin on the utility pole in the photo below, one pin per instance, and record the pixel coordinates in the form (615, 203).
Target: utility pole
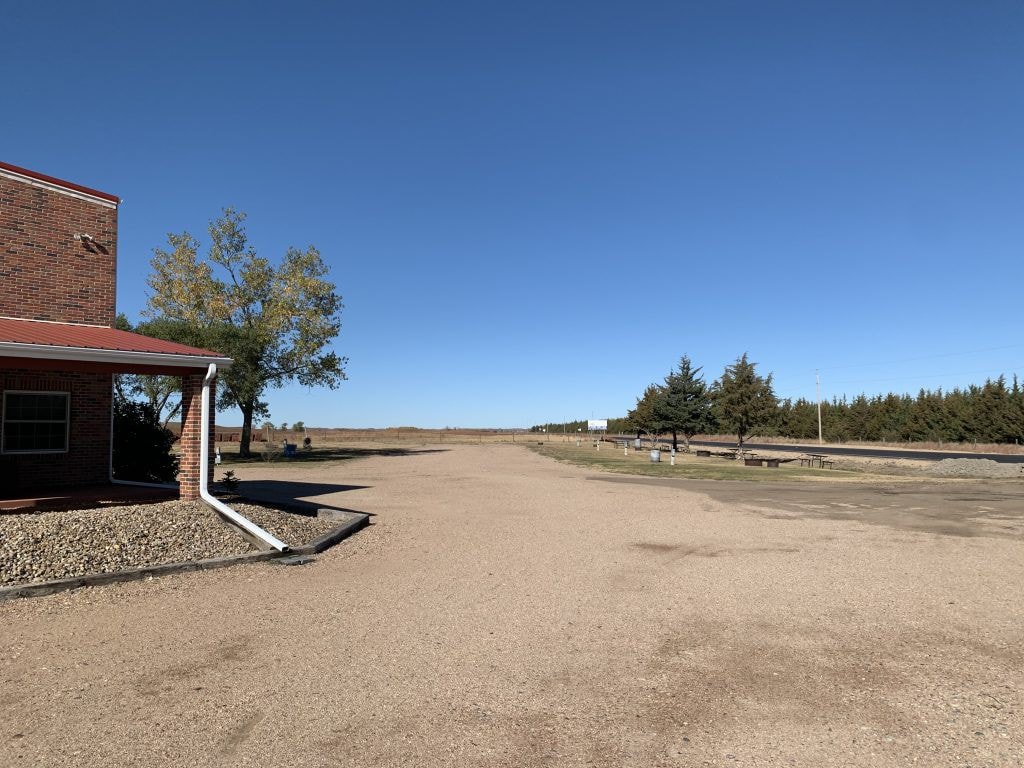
(817, 381)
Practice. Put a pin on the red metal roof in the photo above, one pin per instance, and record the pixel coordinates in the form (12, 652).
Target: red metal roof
(59, 182)
(92, 338)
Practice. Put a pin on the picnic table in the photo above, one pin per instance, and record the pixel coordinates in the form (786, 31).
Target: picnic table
(811, 458)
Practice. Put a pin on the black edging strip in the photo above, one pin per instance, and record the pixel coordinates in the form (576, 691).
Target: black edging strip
(316, 546)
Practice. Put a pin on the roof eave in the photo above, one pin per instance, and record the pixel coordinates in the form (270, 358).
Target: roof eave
(58, 185)
(110, 356)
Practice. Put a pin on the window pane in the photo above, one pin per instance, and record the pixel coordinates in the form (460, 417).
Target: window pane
(35, 421)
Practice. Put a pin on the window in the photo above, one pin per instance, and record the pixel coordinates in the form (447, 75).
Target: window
(35, 422)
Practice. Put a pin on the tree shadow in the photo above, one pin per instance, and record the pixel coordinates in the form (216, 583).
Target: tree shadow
(340, 453)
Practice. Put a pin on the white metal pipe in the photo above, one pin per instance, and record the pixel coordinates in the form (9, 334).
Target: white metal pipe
(204, 473)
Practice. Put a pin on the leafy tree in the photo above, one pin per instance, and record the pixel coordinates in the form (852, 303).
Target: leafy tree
(299, 426)
(162, 393)
(684, 406)
(275, 322)
(744, 400)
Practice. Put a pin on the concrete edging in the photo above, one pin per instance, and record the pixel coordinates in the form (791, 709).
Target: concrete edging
(352, 523)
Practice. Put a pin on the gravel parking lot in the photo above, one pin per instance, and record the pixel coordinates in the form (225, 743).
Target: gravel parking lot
(507, 610)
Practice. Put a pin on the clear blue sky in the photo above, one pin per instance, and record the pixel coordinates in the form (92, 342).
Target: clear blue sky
(533, 209)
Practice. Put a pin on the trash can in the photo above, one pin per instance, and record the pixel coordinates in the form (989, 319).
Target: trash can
(655, 456)
(637, 444)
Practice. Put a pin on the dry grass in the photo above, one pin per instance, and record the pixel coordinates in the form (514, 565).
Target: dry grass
(613, 459)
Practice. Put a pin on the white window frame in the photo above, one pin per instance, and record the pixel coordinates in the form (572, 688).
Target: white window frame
(67, 421)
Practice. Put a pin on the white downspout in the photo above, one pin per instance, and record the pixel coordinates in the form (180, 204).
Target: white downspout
(204, 472)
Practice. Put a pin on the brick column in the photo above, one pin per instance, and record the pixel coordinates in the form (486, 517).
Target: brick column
(191, 432)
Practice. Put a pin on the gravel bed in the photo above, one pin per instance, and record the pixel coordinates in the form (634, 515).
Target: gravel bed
(975, 468)
(68, 543)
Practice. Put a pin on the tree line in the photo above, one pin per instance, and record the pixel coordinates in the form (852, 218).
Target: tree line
(742, 402)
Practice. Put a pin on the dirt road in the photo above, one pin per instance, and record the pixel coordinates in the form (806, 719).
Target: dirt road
(507, 610)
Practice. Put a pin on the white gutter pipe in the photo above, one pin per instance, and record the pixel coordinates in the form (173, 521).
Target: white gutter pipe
(204, 474)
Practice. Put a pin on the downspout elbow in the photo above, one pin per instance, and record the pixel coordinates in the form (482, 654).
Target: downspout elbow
(204, 475)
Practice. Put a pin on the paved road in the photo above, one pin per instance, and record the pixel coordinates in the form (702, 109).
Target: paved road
(870, 452)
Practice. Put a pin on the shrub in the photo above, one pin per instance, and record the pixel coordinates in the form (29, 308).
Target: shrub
(142, 446)
(230, 481)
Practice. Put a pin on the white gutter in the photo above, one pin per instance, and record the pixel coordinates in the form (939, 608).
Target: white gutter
(114, 356)
(49, 185)
(204, 474)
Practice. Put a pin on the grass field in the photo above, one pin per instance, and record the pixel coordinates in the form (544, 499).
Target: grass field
(612, 459)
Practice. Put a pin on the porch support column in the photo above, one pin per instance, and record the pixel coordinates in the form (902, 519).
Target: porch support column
(191, 433)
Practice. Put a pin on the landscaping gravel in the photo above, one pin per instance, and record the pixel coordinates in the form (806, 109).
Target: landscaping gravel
(63, 544)
(975, 468)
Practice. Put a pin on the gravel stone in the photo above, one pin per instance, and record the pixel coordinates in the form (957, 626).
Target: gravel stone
(63, 544)
(975, 468)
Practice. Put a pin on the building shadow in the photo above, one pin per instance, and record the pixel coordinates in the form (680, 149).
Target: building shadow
(294, 495)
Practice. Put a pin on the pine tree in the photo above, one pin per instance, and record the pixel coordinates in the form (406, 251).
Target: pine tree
(744, 401)
(647, 417)
(685, 404)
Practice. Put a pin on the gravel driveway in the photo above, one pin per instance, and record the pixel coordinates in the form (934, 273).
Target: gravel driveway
(507, 610)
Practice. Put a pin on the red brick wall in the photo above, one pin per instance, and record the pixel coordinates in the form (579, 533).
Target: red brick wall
(45, 274)
(88, 458)
(191, 433)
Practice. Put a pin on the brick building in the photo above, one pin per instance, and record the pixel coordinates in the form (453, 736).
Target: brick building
(58, 347)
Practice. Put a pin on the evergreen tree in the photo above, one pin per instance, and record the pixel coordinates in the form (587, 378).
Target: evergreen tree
(685, 404)
(648, 416)
(857, 418)
(744, 401)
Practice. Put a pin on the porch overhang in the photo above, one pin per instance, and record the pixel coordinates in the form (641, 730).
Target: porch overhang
(43, 358)
(39, 345)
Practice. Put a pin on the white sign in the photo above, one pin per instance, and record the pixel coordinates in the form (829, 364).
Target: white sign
(597, 425)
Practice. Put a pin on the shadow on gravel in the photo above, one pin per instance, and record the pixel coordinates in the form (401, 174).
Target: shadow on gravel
(292, 493)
